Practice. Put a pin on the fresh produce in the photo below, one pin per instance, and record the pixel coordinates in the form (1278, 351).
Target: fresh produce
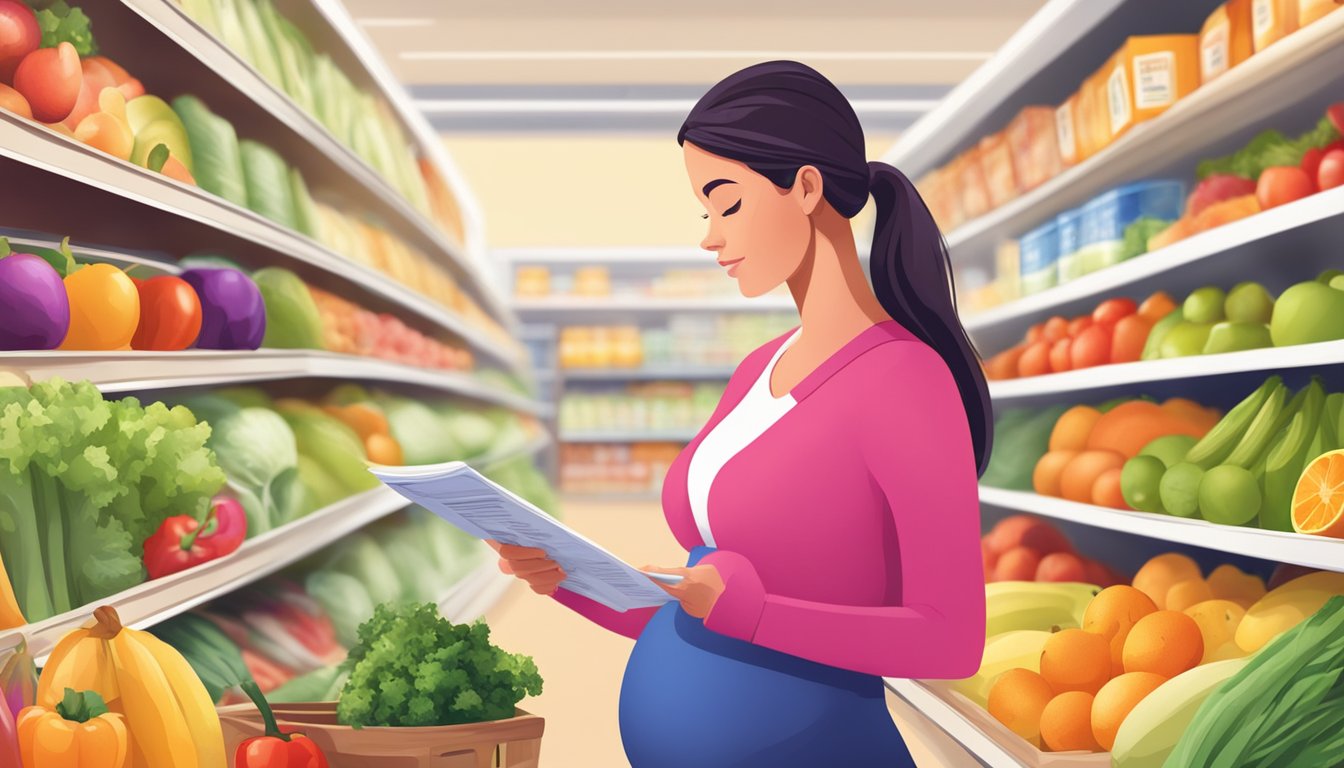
(169, 716)
(130, 87)
(1318, 499)
(104, 306)
(1115, 702)
(1112, 613)
(292, 317)
(154, 123)
(62, 23)
(107, 129)
(1217, 188)
(33, 301)
(349, 329)
(344, 599)
(183, 542)
(79, 732)
(267, 178)
(1286, 606)
(1306, 313)
(1017, 699)
(368, 421)
(50, 79)
(170, 314)
(1330, 173)
(407, 419)
(1282, 708)
(1157, 722)
(216, 660)
(13, 101)
(85, 482)
(275, 748)
(1039, 606)
(233, 313)
(1017, 649)
(361, 556)
(217, 163)
(19, 36)
(18, 680)
(9, 739)
(412, 667)
(330, 443)
(1283, 185)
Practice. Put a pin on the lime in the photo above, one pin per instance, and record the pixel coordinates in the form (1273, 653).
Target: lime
(1229, 495)
(1179, 489)
(1140, 481)
(1249, 303)
(1204, 305)
(1171, 449)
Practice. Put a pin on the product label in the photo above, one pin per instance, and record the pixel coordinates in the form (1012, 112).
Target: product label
(1263, 14)
(1215, 53)
(1068, 148)
(1117, 97)
(1155, 80)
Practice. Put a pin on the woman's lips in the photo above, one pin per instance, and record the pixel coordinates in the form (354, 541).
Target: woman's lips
(731, 265)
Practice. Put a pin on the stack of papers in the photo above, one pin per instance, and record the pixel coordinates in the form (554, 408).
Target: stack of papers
(487, 510)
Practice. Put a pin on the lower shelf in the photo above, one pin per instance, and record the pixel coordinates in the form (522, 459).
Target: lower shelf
(953, 723)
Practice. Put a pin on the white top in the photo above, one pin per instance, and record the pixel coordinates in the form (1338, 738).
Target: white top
(748, 420)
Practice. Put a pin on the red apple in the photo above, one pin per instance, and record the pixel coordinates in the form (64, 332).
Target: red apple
(1330, 173)
(1017, 564)
(50, 79)
(1282, 185)
(19, 36)
(1061, 566)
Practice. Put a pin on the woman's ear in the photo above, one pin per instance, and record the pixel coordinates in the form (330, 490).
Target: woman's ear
(807, 185)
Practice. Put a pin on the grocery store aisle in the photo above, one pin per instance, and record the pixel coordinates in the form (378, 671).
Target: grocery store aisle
(582, 664)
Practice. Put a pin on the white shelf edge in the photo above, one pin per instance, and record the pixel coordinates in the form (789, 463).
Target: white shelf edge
(1309, 210)
(174, 22)
(1297, 549)
(672, 256)
(674, 373)
(651, 436)
(961, 730)
(135, 371)
(141, 607)
(580, 304)
(35, 145)
(1318, 355)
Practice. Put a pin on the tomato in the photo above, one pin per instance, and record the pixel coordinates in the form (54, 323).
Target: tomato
(1331, 172)
(1129, 338)
(95, 79)
(1311, 161)
(170, 314)
(1336, 115)
(1281, 185)
(1078, 325)
(1157, 306)
(1056, 328)
(1092, 347)
(1060, 359)
(1035, 361)
(1110, 311)
(19, 36)
(50, 79)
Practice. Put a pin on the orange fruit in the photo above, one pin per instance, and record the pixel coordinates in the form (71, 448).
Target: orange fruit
(1162, 573)
(1046, 477)
(1077, 660)
(1112, 614)
(1004, 365)
(1229, 582)
(1318, 500)
(1112, 311)
(1080, 474)
(1116, 700)
(1157, 306)
(1186, 409)
(1188, 593)
(1106, 490)
(1017, 564)
(1079, 324)
(1017, 699)
(1092, 347)
(1055, 328)
(1035, 360)
(1060, 359)
(1218, 621)
(1129, 338)
(1066, 723)
(1166, 643)
(1073, 427)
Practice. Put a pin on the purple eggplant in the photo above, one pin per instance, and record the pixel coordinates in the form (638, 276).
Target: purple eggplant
(233, 314)
(34, 308)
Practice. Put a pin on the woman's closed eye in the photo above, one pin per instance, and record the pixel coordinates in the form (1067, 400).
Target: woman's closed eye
(734, 208)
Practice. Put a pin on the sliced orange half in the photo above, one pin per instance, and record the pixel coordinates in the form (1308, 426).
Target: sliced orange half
(1318, 500)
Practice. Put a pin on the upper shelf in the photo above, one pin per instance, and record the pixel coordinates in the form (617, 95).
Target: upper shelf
(650, 256)
(140, 210)
(572, 307)
(196, 62)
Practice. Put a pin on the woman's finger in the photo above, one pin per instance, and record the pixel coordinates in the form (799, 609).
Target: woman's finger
(505, 565)
(529, 567)
(548, 579)
(515, 552)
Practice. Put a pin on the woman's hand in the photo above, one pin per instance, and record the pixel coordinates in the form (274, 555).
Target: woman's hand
(531, 565)
(698, 590)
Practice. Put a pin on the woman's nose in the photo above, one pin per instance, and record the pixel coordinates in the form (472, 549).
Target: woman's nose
(713, 241)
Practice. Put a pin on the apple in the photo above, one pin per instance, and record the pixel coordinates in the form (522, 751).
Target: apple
(19, 36)
(1307, 313)
(1282, 185)
(1235, 337)
(1330, 174)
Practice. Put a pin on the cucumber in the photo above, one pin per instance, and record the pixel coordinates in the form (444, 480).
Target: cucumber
(268, 185)
(214, 149)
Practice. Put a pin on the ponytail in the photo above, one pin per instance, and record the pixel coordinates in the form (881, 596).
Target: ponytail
(912, 277)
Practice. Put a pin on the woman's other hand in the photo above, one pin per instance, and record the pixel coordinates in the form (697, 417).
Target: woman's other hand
(698, 590)
(531, 565)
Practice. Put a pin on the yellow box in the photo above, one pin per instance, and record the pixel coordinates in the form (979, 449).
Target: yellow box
(1086, 113)
(1271, 21)
(1226, 39)
(1315, 10)
(1035, 146)
(996, 159)
(1149, 74)
(1066, 131)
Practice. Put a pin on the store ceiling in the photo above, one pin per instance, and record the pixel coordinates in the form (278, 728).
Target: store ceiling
(603, 65)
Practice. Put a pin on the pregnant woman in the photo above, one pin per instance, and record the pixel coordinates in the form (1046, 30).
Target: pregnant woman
(829, 506)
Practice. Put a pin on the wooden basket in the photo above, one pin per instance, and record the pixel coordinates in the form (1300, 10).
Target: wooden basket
(1023, 751)
(517, 740)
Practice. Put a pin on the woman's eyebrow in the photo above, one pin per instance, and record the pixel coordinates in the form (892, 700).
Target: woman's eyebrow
(715, 184)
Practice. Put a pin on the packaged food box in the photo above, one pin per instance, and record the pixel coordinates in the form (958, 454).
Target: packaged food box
(1066, 132)
(1314, 10)
(1008, 269)
(1149, 74)
(1086, 110)
(1070, 224)
(1105, 218)
(1271, 21)
(1226, 39)
(1034, 146)
(1040, 257)
(969, 184)
(997, 161)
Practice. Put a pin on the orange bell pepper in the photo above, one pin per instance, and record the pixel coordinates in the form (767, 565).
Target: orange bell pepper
(79, 733)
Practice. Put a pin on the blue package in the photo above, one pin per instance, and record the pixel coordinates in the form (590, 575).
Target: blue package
(1106, 217)
(1039, 258)
(1070, 225)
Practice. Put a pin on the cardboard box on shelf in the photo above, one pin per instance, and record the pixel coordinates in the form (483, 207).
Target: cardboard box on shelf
(969, 183)
(1226, 39)
(1315, 10)
(1271, 21)
(996, 160)
(1034, 144)
(1149, 74)
(1066, 131)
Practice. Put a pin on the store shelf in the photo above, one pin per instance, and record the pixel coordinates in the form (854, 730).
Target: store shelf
(1279, 78)
(650, 373)
(179, 214)
(311, 148)
(476, 593)
(1275, 546)
(157, 600)
(569, 306)
(138, 371)
(643, 256)
(620, 436)
(946, 717)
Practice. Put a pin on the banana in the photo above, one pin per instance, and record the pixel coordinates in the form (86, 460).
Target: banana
(1151, 729)
(160, 734)
(1009, 650)
(1262, 430)
(1283, 463)
(1018, 605)
(193, 700)
(1285, 607)
(10, 615)
(1215, 446)
(79, 661)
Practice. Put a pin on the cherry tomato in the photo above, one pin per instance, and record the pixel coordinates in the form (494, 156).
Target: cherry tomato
(1092, 347)
(1336, 115)
(1311, 161)
(1331, 172)
(1110, 311)
(1060, 359)
(1281, 185)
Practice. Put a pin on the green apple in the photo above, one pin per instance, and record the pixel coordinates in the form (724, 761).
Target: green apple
(1307, 313)
(1328, 275)
(1205, 305)
(1249, 303)
(1337, 282)
(1186, 339)
(1234, 337)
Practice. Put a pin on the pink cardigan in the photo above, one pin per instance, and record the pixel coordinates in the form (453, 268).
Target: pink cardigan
(848, 533)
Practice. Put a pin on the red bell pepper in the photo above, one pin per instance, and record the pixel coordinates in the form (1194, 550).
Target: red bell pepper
(277, 748)
(170, 314)
(182, 542)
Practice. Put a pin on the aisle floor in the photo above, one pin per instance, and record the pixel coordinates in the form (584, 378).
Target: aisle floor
(582, 664)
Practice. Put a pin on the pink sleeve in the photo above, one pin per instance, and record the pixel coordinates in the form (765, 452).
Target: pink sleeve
(631, 623)
(918, 449)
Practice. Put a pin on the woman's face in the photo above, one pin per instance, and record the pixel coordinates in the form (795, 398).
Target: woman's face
(758, 232)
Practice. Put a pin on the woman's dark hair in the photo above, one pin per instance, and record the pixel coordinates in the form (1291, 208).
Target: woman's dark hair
(779, 116)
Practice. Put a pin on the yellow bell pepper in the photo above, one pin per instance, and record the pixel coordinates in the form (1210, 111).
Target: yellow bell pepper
(79, 733)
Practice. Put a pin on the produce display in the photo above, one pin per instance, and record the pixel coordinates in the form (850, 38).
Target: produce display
(617, 468)
(641, 407)
(1024, 548)
(539, 282)
(345, 327)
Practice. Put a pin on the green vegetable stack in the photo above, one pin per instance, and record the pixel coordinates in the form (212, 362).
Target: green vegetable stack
(84, 481)
(1269, 149)
(1021, 437)
(1284, 710)
(412, 667)
(60, 23)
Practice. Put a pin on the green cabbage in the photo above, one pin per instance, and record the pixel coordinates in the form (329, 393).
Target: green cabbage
(257, 450)
(345, 600)
(361, 557)
(292, 319)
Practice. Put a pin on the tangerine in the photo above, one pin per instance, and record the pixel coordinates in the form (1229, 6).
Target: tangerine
(1076, 660)
(1017, 699)
(1112, 614)
(1066, 723)
(1116, 700)
(1166, 643)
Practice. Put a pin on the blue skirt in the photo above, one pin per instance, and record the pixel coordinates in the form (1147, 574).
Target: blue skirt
(693, 698)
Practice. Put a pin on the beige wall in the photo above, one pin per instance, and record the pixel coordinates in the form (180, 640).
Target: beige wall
(574, 191)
